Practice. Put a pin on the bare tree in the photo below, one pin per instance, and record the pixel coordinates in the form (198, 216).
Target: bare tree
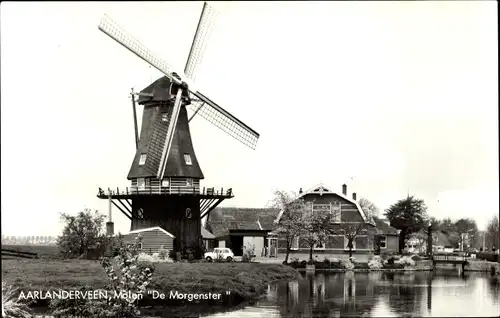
(492, 233)
(289, 226)
(314, 230)
(369, 208)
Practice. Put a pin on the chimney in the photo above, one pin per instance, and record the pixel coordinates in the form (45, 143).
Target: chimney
(110, 228)
(344, 189)
(300, 191)
(354, 196)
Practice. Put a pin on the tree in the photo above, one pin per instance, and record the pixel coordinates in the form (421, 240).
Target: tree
(350, 231)
(447, 226)
(409, 216)
(369, 208)
(492, 234)
(82, 235)
(314, 230)
(289, 226)
(466, 229)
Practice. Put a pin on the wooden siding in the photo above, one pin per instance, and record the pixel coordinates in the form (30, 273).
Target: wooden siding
(151, 240)
(349, 211)
(153, 134)
(170, 214)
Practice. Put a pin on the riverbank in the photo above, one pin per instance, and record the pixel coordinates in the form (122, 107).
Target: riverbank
(234, 282)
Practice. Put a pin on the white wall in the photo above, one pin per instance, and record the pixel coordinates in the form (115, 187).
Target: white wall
(257, 241)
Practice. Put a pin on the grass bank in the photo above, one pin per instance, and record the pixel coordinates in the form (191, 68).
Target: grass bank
(236, 282)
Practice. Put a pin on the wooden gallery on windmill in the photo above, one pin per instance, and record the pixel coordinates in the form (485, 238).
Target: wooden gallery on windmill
(165, 194)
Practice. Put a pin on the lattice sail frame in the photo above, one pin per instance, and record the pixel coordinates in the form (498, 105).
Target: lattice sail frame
(210, 111)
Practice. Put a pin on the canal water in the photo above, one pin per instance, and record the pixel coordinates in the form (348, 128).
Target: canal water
(442, 293)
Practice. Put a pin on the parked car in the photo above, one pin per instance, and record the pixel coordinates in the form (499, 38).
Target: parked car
(222, 253)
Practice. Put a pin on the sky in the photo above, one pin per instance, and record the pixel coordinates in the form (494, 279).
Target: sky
(390, 98)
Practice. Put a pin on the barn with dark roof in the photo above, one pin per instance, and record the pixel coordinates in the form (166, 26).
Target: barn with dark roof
(237, 227)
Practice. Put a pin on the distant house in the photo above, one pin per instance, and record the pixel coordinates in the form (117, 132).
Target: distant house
(417, 242)
(239, 227)
(322, 199)
(387, 237)
(152, 239)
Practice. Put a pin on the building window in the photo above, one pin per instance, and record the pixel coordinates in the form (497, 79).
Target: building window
(139, 246)
(319, 246)
(189, 182)
(295, 243)
(336, 211)
(383, 241)
(346, 243)
(142, 159)
(141, 183)
(165, 183)
(164, 117)
(187, 159)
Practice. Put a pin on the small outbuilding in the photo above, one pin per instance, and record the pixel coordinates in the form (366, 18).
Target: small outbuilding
(153, 239)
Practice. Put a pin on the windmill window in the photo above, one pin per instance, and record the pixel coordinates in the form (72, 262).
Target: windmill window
(164, 117)
(141, 183)
(142, 159)
(187, 159)
(189, 182)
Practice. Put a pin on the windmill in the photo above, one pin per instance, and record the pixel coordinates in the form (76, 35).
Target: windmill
(165, 173)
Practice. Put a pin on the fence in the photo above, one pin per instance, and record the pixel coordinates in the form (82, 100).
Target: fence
(8, 253)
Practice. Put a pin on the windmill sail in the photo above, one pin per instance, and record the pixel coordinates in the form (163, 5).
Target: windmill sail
(210, 111)
(199, 44)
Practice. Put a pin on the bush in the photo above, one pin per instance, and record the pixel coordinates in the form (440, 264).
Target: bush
(416, 258)
(163, 252)
(405, 261)
(248, 253)
(393, 266)
(376, 262)
(127, 276)
(487, 256)
(347, 264)
(11, 305)
(361, 266)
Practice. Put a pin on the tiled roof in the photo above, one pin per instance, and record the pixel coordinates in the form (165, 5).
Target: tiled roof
(384, 228)
(223, 219)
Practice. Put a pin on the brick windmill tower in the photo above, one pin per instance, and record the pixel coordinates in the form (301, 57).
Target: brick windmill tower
(165, 174)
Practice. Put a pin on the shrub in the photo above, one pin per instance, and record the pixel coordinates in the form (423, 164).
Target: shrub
(361, 266)
(163, 252)
(375, 262)
(248, 253)
(347, 264)
(490, 257)
(393, 266)
(416, 258)
(11, 305)
(405, 261)
(326, 261)
(126, 276)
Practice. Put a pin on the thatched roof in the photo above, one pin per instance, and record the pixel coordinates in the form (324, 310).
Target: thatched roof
(223, 219)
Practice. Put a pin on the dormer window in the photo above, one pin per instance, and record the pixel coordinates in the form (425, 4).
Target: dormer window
(189, 182)
(164, 117)
(187, 159)
(142, 159)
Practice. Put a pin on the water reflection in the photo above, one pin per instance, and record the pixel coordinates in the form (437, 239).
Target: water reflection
(422, 294)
